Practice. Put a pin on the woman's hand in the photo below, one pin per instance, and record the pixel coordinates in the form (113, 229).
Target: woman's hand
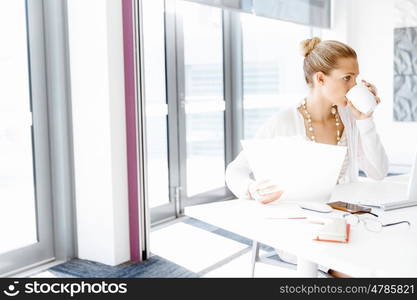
(356, 113)
(265, 191)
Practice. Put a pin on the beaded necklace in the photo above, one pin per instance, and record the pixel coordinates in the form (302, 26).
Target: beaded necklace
(307, 116)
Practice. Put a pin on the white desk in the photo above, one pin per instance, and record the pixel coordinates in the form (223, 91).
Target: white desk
(389, 253)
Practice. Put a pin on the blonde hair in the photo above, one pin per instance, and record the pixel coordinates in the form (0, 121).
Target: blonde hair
(322, 56)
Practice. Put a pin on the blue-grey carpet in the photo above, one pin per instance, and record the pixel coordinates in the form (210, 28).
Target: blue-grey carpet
(154, 267)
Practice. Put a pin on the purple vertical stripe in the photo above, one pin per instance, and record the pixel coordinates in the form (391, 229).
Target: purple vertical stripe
(128, 51)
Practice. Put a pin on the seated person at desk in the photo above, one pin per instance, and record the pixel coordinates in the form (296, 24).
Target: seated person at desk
(324, 116)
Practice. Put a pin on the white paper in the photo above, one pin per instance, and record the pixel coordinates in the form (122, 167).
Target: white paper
(306, 171)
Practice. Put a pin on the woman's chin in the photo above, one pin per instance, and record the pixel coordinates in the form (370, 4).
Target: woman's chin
(342, 104)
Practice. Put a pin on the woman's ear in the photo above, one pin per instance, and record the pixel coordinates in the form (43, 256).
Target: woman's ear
(319, 78)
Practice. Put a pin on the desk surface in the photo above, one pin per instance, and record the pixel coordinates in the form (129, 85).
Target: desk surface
(389, 253)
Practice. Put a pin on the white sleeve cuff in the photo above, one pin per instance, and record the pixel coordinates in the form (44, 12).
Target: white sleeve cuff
(247, 192)
(365, 125)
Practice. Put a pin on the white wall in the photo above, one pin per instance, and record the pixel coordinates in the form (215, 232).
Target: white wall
(370, 32)
(98, 108)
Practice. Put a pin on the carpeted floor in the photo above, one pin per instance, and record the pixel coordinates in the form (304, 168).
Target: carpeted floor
(153, 267)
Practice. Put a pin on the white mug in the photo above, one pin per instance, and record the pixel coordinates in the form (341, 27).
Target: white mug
(361, 98)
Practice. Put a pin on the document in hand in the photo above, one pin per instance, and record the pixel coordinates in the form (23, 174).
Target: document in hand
(306, 171)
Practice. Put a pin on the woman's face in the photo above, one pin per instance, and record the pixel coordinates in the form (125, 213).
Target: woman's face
(340, 80)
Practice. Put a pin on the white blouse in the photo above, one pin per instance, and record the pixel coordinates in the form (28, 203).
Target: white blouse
(343, 176)
(365, 150)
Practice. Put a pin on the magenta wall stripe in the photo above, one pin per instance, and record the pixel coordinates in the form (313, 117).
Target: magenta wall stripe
(128, 45)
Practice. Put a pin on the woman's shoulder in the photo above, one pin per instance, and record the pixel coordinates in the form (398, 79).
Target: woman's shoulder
(285, 115)
(283, 120)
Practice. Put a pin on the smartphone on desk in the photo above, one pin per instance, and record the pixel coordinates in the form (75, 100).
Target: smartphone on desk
(349, 207)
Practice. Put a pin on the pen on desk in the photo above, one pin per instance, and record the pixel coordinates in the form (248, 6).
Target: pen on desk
(289, 218)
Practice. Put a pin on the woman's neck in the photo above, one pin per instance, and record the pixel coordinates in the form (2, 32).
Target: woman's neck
(318, 107)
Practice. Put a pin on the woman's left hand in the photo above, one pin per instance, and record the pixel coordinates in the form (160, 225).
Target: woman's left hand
(359, 115)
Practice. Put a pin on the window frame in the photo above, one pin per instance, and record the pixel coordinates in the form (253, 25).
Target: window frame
(51, 137)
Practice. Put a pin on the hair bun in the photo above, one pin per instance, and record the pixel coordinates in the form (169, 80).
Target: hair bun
(308, 45)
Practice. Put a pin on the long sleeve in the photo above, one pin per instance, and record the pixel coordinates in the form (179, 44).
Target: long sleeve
(239, 176)
(371, 154)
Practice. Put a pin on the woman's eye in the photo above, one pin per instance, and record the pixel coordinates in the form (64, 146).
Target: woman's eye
(346, 78)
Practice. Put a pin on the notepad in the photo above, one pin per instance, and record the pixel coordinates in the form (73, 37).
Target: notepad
(333, 230)
(306, 171)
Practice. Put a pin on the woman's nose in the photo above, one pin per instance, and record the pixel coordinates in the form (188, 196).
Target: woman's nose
(355, 82)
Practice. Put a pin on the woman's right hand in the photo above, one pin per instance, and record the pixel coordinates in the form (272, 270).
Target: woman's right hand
(265, 191)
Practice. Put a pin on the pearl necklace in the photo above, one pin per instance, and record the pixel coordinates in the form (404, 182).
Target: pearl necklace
(307, 116)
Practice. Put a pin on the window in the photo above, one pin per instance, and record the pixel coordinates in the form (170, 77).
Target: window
(204, 101)
(186, 64)
(272, 68)
(156, 107)
(17, 190)
(26, 216)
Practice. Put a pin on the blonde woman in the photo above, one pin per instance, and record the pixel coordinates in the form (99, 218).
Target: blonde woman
(323, 116)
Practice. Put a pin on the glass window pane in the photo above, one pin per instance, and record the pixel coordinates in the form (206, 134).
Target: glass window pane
(203, 58)
(156, 107)
(272, 68)
(17, 191)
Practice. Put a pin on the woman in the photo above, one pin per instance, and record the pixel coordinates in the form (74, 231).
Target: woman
(324, 116)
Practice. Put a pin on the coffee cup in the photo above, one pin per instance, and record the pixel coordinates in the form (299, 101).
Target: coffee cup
(361, 98)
